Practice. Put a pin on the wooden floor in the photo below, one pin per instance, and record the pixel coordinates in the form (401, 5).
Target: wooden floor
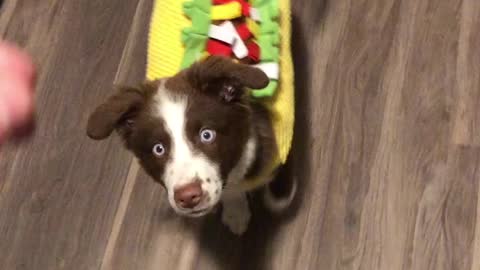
(387, 148)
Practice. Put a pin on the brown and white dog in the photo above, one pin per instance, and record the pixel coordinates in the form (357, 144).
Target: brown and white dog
(195, 133)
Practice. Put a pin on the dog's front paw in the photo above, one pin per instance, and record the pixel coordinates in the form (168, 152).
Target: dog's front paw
(236, 222)
(236, 214)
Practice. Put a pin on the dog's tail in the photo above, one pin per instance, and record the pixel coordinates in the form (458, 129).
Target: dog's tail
(279, 194)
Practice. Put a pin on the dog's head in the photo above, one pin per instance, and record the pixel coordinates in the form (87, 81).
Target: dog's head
(191, 132)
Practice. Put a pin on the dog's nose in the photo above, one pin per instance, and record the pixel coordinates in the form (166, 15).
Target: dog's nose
(188, 196)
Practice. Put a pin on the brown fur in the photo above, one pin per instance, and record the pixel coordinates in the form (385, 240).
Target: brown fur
(216, 98)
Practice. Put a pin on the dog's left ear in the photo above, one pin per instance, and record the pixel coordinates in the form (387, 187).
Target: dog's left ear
(119, 111)
(223, 77)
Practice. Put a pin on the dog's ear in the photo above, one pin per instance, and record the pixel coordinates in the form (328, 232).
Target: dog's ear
(225, 78)
(117, 113)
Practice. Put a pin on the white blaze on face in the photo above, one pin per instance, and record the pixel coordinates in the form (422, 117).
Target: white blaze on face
(185, 165)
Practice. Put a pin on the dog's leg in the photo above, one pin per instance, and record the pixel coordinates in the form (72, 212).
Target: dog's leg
(236, 213)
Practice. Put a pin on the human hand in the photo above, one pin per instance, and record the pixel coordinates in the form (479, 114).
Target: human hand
(17, 81)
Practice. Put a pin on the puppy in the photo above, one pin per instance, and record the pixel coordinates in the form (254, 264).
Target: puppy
(195, 133)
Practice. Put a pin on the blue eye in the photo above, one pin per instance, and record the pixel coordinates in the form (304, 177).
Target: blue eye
(158, 150)
(207, 135)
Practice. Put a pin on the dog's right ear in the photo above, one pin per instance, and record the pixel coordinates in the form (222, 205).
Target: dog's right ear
(117, 113)
(223, 77)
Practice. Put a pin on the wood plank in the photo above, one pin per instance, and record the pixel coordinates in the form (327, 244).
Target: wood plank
(445, 226)
(467, 115)
(134, 55)
(60, 192)
(372, 139)
(385, 147)
(415, 135)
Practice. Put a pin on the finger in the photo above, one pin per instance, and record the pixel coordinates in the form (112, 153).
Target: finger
(16, 106)
(16, 64)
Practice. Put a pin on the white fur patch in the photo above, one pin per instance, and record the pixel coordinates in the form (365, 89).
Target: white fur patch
(185, 165)
(240, 170)
(248, 156)
(236, 213)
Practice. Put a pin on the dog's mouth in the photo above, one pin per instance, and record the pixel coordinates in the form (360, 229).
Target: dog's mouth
(211, 195)
(199, 212)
